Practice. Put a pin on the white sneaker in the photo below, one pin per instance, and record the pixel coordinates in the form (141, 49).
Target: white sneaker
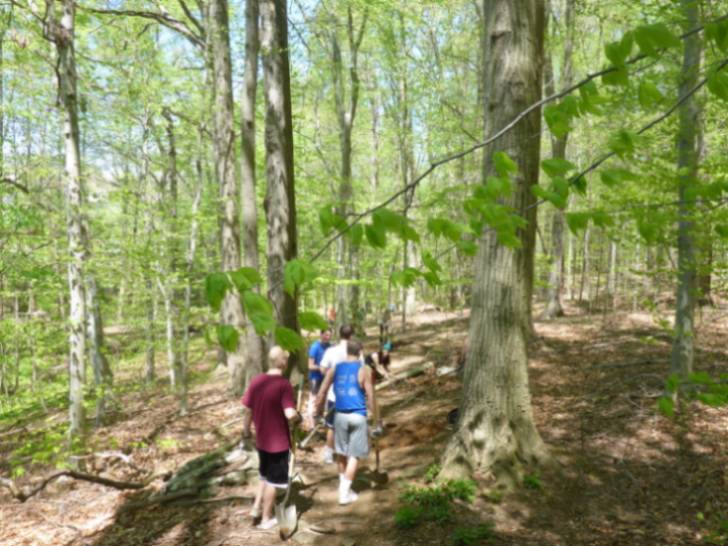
(255, 513)
(328, 455)
(348, 498)
(268, 524)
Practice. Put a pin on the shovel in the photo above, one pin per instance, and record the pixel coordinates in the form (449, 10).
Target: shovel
(378, 476)
(286, 515)
(303, 443)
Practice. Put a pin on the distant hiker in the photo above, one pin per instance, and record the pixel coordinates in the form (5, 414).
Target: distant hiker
(379, 362)
(315, 376)
(332, 356)
(331, 317)
(270, 405)
(352, 381)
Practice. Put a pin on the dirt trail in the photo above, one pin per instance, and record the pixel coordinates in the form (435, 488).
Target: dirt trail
(629, 476)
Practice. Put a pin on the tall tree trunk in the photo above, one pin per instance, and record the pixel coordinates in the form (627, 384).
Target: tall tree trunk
(61, 33)
(103, 378)
(224, 152)
(280, 199)
(346, 108)
(687, 168)
(255, 351)
(554, 307)
(496, 432)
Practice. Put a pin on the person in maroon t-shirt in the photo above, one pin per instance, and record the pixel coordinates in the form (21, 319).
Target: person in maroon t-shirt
(270, 406)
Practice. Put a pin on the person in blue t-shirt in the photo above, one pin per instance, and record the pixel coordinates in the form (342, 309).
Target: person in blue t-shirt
(315, 376)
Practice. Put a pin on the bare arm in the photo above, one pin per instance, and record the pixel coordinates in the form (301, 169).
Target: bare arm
(369, 390)
(247, 419)
(312, 364)
(323, 391)
(292, 415)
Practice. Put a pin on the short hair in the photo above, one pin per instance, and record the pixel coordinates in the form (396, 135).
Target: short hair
(324, 330)
(346, 331)
(353, 348)
(277, 356)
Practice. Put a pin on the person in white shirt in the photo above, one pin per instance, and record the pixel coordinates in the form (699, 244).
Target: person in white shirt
(332, 356)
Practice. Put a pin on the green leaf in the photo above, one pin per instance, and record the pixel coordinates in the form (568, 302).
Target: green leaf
(444, 227)
(356, 234)
(259, 311)
(612, 177)
(601, 218)
(467, 247)
(504, 165)
(310, 320)
(376, 235)
(432, 278)
(245, 278)
(649, 95)
(295, 273)
(652, 38)
(430, 262)
(618, 76)
(718, 85)
(666, 406)
(326, 219)
(577, 221)
(559, 122)
(216, 284)
(227, 337)
(722, 230)
(405, 278)
(390, 220)
(579, 184)
(622, 143)
(288, 339)
(718, 33)
(617, 52)
(557, 166)
(647, 230)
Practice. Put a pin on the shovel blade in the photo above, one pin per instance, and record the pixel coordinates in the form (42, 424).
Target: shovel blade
(287, 520)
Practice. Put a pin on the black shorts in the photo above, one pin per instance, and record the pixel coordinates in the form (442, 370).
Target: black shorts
(274, 467)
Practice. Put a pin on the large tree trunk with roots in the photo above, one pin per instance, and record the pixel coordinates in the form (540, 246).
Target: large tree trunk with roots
(687, 168)
(496, 435)
(61, 33)
(255, 350)
(280, 199)
(224, 152)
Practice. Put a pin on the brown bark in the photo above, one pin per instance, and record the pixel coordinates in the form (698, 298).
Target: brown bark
(224, 152)
(687, 168)
(280, 199)
(255, 350)
(496, 434)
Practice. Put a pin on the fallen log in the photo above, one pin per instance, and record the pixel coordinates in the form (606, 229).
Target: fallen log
(407, 374)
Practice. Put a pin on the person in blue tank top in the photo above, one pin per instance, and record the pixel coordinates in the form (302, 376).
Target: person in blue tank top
(315, 376)
(352, 383)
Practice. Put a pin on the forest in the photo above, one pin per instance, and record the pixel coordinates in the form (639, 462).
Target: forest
(521, 202)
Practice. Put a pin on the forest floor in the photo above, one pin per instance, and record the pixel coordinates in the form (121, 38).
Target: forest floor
(628, 475)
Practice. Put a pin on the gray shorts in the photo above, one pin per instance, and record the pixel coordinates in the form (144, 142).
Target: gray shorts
(351, 437)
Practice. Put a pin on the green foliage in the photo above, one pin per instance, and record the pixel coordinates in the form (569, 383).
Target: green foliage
(504, 165)
(532, 481)
(431, 473)
(288, 339)
(260, 312)
(618, 52)
(699, 386)
(330, 220)
(623, 143)
(577, 221)
(619, 76)
(227, 337)
(649, 95)
(310, 320)
(557, 166)
(615, 176)
(718, 33)
(376, 235)
(216, 284)
(408, 516)
(245, 278)
(434, 503)
(718, 85)
(655, 37)
(296, 273)
(467, 536)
